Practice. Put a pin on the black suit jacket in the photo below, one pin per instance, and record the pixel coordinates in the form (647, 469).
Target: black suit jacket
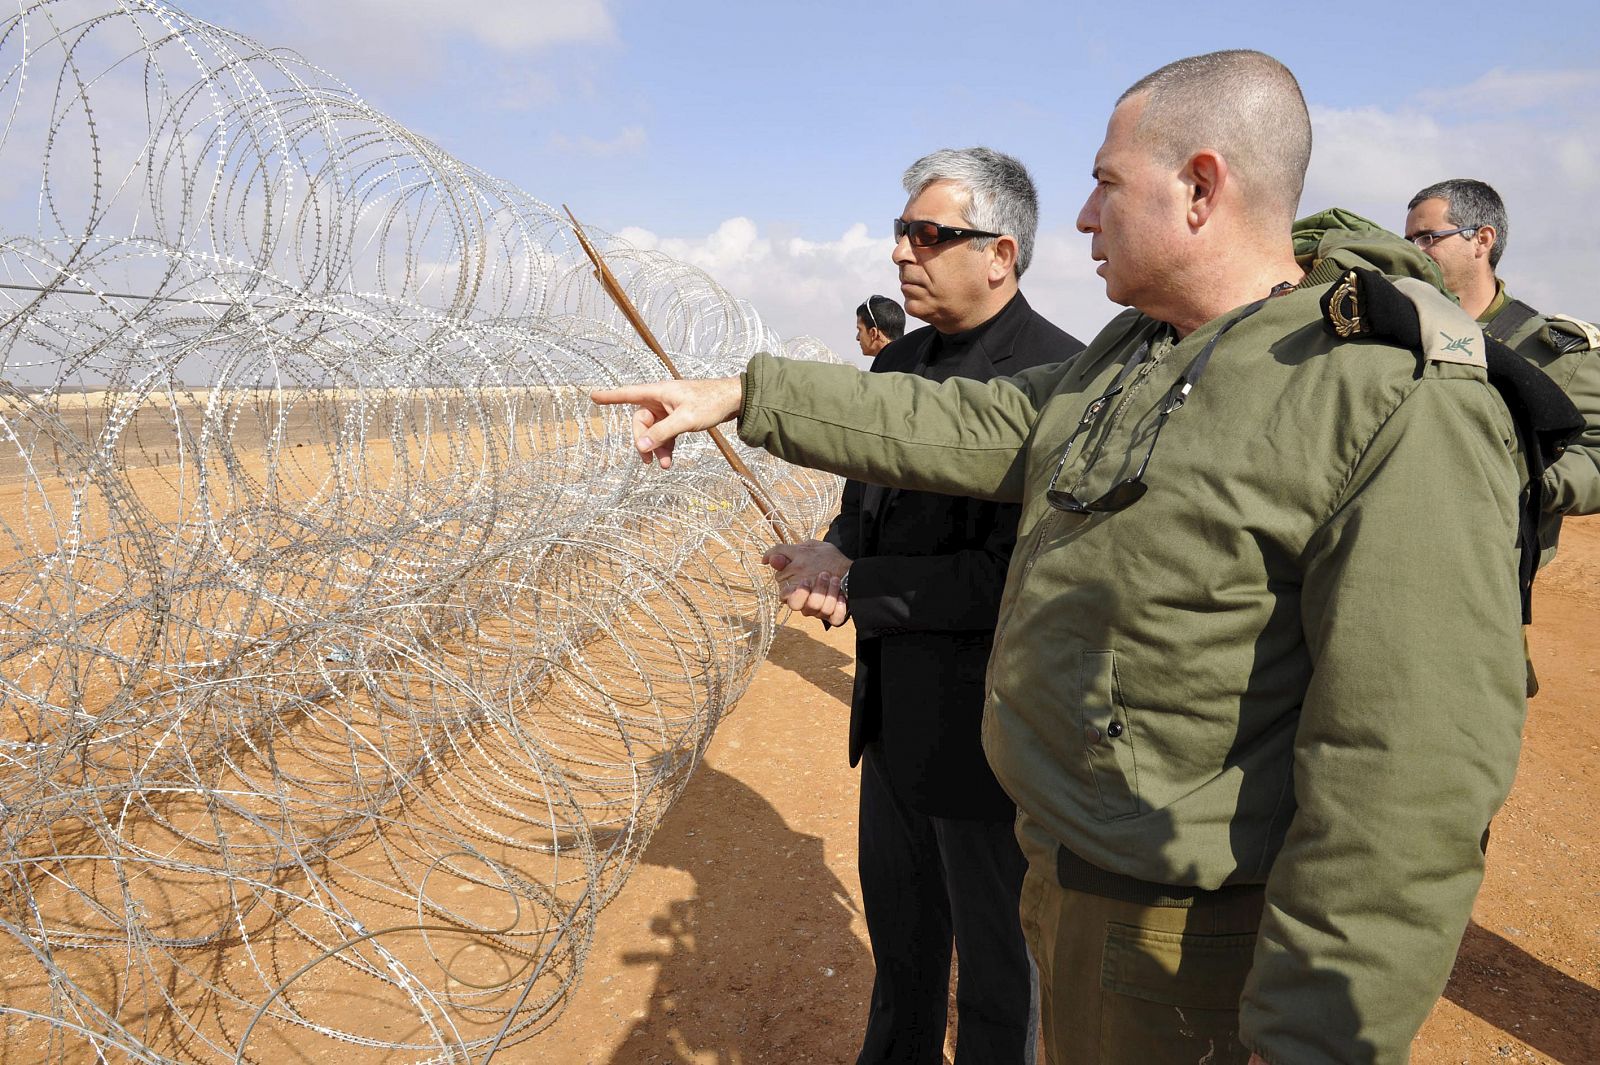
(925, 588)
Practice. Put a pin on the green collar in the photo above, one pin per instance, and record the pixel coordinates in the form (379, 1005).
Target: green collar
(1496, 305)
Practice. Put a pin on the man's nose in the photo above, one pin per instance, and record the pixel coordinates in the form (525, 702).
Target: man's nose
(902, 251)
(1088, 217)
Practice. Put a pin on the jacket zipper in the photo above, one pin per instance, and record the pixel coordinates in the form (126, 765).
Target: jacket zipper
(1045, 526)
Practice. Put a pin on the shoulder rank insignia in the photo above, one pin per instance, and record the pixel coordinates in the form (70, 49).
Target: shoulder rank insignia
(1341, 307)
(1565, 334)
(1405, 310)
(1448, 333)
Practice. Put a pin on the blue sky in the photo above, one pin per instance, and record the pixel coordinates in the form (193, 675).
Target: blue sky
(765, 141)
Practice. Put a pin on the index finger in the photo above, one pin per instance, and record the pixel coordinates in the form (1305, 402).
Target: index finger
(637, 394)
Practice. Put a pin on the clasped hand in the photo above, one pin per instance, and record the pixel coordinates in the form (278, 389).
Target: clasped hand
(808, 575)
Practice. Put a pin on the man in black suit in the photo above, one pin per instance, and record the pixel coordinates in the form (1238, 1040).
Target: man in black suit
(921, 575)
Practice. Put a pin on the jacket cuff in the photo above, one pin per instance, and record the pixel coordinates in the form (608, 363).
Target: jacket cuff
(750, 398)
(862, 600)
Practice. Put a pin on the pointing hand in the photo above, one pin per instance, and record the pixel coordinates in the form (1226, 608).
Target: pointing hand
(667, 409)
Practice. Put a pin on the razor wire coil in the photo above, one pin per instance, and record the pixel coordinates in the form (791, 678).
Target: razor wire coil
(348, 656)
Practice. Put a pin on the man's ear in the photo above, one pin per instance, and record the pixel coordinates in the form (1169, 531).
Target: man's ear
(1483, 241)
(1206, 175)
(1002, 258)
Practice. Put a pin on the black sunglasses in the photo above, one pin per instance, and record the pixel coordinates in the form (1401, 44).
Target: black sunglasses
(925, 234)
(1125, 493)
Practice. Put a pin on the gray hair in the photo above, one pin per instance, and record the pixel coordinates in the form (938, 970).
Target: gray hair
(1470, 202)
(1245, 105)
(996, 193)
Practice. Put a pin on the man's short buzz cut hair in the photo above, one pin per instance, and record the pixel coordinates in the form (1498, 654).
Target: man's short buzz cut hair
(997, 193)
(1470, 202)
(1244, 104)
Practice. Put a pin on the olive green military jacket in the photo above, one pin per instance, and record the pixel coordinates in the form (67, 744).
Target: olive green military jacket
(1569, 351)
(1297, 660)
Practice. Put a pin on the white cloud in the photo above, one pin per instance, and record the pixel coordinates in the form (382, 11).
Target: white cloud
(525, 26)
(367, 41)
(801, 286)
(520, 87)
(629, 140)
(1532, 136)
(1501, 92)
(1061, 284)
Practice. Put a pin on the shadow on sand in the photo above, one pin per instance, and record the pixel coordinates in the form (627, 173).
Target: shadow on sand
(760, 963)
(829, 670)
(1522, 996)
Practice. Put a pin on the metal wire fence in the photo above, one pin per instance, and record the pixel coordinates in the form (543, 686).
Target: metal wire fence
(348, 657)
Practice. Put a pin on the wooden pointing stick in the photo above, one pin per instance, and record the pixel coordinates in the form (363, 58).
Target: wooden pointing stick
(613, 287)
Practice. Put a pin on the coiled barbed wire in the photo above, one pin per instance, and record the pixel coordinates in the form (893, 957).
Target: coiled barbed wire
(348, 656)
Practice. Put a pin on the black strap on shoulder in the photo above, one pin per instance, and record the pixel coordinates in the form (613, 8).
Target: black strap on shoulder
(1512, 316)
(1545, 419)
(1365, 303)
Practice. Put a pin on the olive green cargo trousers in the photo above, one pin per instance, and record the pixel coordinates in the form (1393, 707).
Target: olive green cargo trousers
(1123, 983)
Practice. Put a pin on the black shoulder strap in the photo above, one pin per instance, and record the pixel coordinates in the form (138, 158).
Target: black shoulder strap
(1545, 420)
(1512, 316)
(1365, 303)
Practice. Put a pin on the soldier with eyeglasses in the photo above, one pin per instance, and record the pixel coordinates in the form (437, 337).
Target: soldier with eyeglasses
(1257, 687)
(1462, 224)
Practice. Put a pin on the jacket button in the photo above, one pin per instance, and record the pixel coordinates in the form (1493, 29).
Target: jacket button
(1091, 734)
(1114, 729)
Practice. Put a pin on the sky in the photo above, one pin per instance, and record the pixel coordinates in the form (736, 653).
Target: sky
(764, 142)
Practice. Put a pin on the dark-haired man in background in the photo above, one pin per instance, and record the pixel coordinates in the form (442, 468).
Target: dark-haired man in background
(879, 322)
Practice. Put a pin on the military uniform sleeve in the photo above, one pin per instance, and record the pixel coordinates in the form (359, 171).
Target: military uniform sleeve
(1408, 736)
(1572, 483)
(962, 437)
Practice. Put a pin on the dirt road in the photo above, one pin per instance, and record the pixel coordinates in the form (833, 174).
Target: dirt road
(740, 938)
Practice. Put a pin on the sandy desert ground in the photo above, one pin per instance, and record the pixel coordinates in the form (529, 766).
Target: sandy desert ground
(739, 937)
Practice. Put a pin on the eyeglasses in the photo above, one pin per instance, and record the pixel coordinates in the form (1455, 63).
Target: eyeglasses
(870, 316)
(925, 234)
(1429, 237)
(1125, 493)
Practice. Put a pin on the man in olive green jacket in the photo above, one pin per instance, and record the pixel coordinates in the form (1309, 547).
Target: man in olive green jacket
(1461, 223)
(1257, 691)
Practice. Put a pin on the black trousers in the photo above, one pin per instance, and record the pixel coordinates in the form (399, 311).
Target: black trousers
(925, 881)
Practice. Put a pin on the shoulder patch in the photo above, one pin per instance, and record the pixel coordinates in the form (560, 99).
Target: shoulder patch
(1342, 308)
(1406, 311)
(1449, 334)
(1566, 334)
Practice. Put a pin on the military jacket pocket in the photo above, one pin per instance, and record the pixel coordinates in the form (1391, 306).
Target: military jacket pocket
(1108, 736)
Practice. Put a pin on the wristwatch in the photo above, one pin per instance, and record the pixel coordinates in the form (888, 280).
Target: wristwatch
(844, 584)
